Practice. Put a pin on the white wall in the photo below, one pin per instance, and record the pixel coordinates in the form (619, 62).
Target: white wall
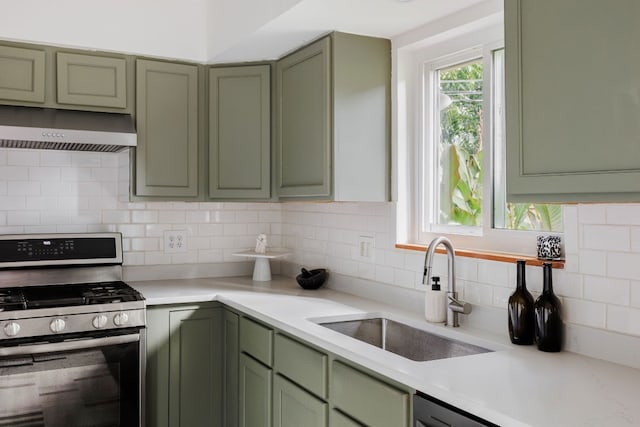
(164, 28)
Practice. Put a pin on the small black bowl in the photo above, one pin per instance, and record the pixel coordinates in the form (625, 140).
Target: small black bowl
(312, 279)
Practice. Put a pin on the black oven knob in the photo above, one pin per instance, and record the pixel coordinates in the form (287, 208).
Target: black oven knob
(121, 319)
(57, 325)
(100, 321)
(11, 329)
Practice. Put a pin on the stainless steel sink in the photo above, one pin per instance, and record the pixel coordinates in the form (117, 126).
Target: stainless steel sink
(402, 339)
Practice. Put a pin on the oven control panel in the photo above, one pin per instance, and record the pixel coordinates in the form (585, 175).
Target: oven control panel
(70, 323)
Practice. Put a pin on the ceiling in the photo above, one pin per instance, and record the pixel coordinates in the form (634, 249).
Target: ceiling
(308, 19)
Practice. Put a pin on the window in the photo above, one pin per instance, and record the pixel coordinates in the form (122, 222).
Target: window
(462, 182)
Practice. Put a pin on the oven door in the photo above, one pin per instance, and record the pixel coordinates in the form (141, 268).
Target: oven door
(88, 381)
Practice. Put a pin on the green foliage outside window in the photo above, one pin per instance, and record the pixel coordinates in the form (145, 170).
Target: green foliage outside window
(461, 144)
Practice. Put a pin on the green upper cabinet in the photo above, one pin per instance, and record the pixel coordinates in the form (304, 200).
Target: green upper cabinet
(22, 74)
(91, 80)
(240, 132)
(167, 125)
(333, 115)
(572, 109)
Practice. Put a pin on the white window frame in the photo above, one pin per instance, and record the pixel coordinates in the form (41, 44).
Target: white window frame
(485, 238)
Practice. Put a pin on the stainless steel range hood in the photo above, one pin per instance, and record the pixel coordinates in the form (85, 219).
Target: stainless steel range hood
(51, 129)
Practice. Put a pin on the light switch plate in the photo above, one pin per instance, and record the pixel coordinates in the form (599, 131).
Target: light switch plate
(366, 245)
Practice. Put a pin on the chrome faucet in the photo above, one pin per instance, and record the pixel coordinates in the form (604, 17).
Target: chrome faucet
(455, 305)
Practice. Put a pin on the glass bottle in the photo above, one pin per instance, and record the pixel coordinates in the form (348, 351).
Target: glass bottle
(548, 315)
(521, 310)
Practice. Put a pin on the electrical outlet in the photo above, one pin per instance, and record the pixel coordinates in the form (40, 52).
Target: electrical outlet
(366, 244)
(175, 241)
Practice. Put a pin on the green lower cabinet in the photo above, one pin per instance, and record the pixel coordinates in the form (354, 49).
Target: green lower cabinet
(255, 393)
(294, 407)
(184, 374)
(370, 401)
(338, 419)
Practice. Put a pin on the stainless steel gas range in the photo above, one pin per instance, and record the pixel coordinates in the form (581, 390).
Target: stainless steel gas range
(72, 333)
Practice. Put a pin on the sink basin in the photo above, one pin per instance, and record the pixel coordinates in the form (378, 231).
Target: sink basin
(402, 339)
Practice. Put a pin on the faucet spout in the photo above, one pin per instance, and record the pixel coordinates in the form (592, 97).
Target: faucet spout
(455, 306)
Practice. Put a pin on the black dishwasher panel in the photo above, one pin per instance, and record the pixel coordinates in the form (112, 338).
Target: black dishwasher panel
(430, 412)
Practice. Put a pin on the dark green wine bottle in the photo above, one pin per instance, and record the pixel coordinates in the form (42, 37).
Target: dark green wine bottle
(548, 314)
(520, 310)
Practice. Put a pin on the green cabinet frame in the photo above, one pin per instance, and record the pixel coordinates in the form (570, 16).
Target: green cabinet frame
(22, 74)
(230, 368)
(91, 80)
(240, 132)
(572, 117)
(167, 126)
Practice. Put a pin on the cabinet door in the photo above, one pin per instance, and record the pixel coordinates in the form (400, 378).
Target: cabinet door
(230, 368)
(184, 378)
(352, 391)
(91, 80)
(194, 373)
(293, 407)
(338, 419)
(255, 393)
(167, 126)
(22, 74)
(573, 116)
(239, 132)
(304, 136)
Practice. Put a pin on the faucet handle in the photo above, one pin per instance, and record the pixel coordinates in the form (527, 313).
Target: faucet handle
(459, 306)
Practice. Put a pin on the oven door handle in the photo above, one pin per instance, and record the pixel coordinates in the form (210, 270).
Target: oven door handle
(25, 350)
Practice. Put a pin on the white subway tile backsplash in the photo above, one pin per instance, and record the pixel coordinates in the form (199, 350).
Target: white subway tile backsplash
(172, 217)
(13, 173)
(607, 289)
(116, 217)
(17, 218)
(23, 157)
(627, 214)
(582, 312)
(593, 262)
(592, 214)
(623, 319)
(607, 237)
(623, 265)
(45, 173)
(23, 188)
(56, 158)
(493, 273)
(144, 217)
(3, 157)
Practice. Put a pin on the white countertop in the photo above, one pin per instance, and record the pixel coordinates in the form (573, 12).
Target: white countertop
(512, 386)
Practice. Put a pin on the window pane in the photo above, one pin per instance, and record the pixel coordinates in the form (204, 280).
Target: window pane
(513, 216)
(459, 115)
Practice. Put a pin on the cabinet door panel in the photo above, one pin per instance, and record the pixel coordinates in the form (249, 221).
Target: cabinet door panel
(239, 132)
(301, 364)
(573, 119)
(193, 378)
(167, 125)
(353, 391)
(294, 407)
(255, 393)
(304, 138)
(338, 419)
(22, 74)
(91, 80)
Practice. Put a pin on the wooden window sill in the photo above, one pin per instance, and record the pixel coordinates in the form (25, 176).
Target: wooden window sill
(490, 256)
